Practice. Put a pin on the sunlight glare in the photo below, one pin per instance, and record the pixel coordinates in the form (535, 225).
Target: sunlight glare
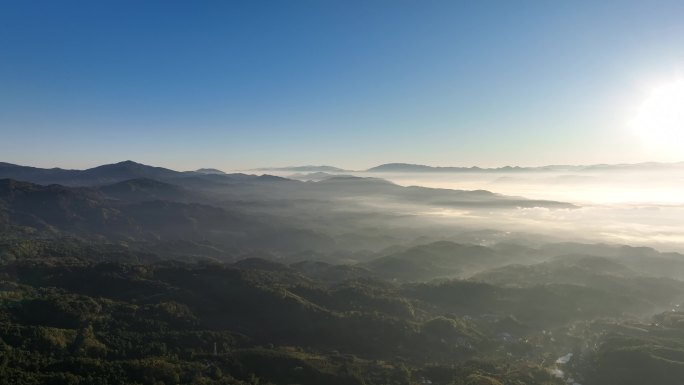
(660, 118)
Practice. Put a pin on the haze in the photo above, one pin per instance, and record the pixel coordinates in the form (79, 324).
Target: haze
(377, 192)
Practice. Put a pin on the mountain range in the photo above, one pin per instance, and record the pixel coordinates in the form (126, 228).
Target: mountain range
(420, 168)
(117, 172)
(646, 166)
(149, 182)
(302, 169)
(138, 274)
(212, 214)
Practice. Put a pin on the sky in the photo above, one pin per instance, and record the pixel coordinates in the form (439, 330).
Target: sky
(243, 84)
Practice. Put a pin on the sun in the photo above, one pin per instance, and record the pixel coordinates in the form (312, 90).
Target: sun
(659, 121)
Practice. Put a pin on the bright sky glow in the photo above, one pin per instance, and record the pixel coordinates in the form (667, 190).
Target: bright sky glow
(660, 119)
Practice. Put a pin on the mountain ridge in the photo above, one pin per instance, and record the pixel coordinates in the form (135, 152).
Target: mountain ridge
(265, 187)
(104, 174)
(409, 167)
(128, 169)
(307, 168)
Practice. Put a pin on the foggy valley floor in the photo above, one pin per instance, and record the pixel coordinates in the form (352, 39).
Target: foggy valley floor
(133, 274)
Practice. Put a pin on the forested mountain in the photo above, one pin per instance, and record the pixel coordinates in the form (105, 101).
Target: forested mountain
(109, 173)
(235, 215)
(75, 312)
(130, 274)
(261, 186)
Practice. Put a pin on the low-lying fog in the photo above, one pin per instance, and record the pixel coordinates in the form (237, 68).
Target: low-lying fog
(637, 208)
(616, 187)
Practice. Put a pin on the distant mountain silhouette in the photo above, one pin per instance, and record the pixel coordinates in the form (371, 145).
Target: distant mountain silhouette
(105, 174)
(352, 186)
(314, 176)
(116, 172)
(134, 182)
(407, 167)
(124, 171)
(213, 178)
(210, 171)
(302, 169)
(35, 174)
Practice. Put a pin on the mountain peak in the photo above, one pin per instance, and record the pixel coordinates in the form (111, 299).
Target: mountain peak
(123, 164)
(210, 171)
(130, 163)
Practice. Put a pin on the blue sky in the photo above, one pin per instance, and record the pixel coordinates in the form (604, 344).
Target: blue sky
(241, 84)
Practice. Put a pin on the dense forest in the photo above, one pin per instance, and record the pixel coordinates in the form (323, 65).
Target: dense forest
(236, 279)
(77, 313)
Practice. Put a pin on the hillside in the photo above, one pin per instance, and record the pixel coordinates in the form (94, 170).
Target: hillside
(83, 316)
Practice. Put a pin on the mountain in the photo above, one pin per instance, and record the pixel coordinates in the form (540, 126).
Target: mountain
(88, 212)
(105, 174)
(145, 189)
(302, 169)
(257, 322)
(124, 171)
(209, 171)
(406, 167)
(34, 174)
(127, 170)
(243, 279)
(647, 166)
(352, 186)
(145, 182)
(111, 173)
(54, 208)
(441, 259)
(315, 176)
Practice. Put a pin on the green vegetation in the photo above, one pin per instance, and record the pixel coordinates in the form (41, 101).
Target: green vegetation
(73, 312)
(73, 320)
(151, 276)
